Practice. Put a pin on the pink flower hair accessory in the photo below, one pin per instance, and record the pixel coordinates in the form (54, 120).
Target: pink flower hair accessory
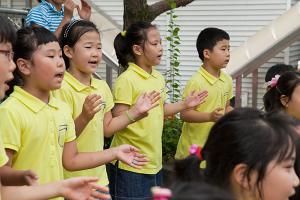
(160, 193)
(273, 81)
(196, 150)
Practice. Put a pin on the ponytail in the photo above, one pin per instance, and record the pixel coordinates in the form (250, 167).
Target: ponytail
(124, 41)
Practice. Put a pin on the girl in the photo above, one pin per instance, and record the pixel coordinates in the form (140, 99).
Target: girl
(90, 99)
(283, 95)
(39, 131)
(76, 188)
(138, 50)
(251, 155)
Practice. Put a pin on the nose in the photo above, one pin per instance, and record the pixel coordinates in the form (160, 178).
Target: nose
(12, 66)
(60, 63)
(295, 179)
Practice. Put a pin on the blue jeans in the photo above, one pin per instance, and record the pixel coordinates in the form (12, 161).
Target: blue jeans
(126, 185)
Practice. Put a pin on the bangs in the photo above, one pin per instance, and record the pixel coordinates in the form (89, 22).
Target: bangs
(7, 31)
(43, 36)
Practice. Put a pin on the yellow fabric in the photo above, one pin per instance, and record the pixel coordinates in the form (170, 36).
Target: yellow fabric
(144, 134)
(3, 156)
(219, 93)
(91, 139)
(36, 131)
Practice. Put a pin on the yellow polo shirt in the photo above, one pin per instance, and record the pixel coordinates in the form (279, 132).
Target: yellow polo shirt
(144, 134)
(36, 131)
(219, 93)
(73, 92)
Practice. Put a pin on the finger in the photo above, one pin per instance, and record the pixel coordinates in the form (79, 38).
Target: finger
(99, 187)
(96, 102)
(90, 179)
(132, 148)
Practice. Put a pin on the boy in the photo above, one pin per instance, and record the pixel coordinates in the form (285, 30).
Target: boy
(213, 50)
(53, 15)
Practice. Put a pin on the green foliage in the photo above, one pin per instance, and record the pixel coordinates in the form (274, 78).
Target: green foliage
(170, 137)
(172, 126)
(172, 74)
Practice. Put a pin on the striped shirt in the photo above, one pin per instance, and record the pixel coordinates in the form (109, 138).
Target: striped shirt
(45, 15)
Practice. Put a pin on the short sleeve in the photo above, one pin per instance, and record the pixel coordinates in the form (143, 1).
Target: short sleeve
(123, 91)
(10, 130)
(3, 156)
(36, 16)
(109, 100)
(230, 92)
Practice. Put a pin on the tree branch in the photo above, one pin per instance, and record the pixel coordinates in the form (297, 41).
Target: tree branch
(162, 6)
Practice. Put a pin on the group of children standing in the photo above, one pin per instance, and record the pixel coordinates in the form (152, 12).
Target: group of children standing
(56, 115)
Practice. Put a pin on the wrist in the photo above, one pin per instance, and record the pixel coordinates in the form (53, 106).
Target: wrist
(130, 115)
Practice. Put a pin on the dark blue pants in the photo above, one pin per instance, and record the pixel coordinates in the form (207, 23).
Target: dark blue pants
(126, 185)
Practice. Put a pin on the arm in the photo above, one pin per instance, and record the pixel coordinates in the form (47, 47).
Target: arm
(194, 116)
(228, 108)
(69, 7)
(191, 101)
(85, 11)
(74, 161)
(10, 176)
(74, 188)
(140, 109)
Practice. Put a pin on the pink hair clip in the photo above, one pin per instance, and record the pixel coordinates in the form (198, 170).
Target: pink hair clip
(273, 81)
(196, 150)
(161, 193)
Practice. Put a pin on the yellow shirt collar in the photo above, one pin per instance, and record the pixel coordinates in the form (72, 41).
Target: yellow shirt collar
(210, 78)
(77, 85)
(141, 72)
(31, 101)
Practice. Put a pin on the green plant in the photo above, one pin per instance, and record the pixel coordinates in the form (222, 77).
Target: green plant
(172, 74)
(172, 126)
(170, 137)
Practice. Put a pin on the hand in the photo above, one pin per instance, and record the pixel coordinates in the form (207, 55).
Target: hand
(30, 177)
(131, 156)
(146, 102)
(69, 7)
(92, 104)
(216, 114)
(85, 12)
(82, 188)
(195, 99)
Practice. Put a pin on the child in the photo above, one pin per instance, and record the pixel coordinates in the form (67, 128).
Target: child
(76, 188)
(283, 95)
(90, 99)
(213, 50)
(54, 14)
(277, 69)
(138, 50)
(251, 154)
(39, 131)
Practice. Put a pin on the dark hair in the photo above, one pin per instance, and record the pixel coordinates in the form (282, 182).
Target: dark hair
(286, 85)
(278, 69)
(28, 40)
(72, 32)
(7, 31)
(188, 169)
(208, 38)
(136, 34)
(198, 191)
(247, 136)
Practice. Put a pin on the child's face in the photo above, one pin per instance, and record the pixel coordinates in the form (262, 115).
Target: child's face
(220, 55)
(86, 54)
(46, 70)
(153, 49)
(7, 66)
(293, 104)
(280, 180)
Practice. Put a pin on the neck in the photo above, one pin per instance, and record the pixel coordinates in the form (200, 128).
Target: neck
(43, 95)
(144, 66)
(83, 78)
(212, 70)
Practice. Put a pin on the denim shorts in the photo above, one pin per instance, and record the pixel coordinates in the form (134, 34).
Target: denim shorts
(126, 185)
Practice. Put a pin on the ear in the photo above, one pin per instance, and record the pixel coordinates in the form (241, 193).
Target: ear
(137, 50)
(68, 51)
(206, 53)
(240, 176)
(24, 66)
(284, 100)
